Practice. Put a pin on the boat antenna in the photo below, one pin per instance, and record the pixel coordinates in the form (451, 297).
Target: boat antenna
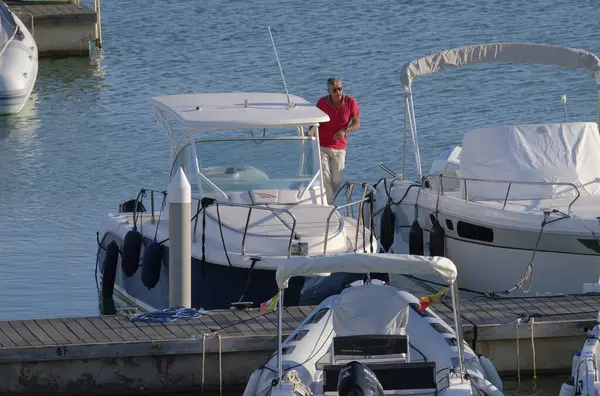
(564, 101)
(290, 104)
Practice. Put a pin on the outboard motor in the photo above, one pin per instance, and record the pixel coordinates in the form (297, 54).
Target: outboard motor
(356, 379)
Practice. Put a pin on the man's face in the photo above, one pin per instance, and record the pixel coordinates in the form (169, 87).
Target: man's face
(335, 90)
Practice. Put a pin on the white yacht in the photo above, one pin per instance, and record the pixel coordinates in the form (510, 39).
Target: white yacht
(257, 199)
(352, 342)
(18, 62)
(516, 206)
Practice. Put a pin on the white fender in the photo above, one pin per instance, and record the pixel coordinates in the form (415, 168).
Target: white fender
(567, 388)
(252, 383)
(490, 372)
(486, 387)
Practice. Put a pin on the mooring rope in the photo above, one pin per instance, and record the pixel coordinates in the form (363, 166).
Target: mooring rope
(211, 335)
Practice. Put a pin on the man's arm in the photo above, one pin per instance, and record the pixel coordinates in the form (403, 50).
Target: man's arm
(354, 124)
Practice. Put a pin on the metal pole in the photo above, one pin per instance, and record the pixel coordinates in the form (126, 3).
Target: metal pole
(280, 338)
(98, 24)
(458, 327)
(180, 241)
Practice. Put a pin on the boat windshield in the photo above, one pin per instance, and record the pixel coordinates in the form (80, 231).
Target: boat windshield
(252, 163)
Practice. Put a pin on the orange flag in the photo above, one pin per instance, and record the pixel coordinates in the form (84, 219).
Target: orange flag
(426, 301)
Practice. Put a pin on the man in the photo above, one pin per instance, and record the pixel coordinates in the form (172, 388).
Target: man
(344, 118)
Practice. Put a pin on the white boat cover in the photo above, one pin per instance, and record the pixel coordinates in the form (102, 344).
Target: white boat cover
(359, 311)
(557, 153)
(499, 52)
(363, 263)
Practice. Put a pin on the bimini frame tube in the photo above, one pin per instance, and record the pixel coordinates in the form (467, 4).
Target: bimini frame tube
(280, 338)
(409, 106)
(597, 75)
(458, 328)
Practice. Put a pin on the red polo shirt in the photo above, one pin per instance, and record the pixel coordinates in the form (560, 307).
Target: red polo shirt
(338, 119)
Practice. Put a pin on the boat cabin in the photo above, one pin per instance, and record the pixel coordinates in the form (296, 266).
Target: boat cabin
(240, 146)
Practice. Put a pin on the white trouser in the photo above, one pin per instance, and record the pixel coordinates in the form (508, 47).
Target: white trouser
(332, 161)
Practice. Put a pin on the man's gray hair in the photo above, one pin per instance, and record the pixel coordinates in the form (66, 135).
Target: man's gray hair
(334, 81)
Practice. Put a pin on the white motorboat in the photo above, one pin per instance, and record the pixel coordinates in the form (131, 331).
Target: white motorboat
(584, 377)
(513, 201)
(376, 333)
(18, 62)
(257, 199)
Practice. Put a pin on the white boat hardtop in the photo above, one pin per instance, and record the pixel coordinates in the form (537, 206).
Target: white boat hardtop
(230, 110)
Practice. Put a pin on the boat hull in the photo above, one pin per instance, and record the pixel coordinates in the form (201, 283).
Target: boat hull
(18, 68)
(214, 286)
(492, 250)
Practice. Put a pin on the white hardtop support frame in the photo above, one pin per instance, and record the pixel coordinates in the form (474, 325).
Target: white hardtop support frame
(367, 263)
(485, 53)
(232, 110)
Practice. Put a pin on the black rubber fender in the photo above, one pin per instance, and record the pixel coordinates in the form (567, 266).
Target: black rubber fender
(437, 240)
(415, 239)
(387, 228)
(132, 247)
(109, 269)
(152, 264)
(129, 206)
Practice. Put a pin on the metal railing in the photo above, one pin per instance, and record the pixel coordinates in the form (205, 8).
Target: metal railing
(250, 207)
(509, 182)
(143, 194)
(366, 197)
(367, 192)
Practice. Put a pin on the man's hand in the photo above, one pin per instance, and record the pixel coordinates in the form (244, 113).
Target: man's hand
(340, 134)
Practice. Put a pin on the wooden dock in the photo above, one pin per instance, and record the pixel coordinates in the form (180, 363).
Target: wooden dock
(110, 354)
(59, 28)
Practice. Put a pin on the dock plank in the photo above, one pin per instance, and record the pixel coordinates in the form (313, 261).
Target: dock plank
(64, 331)
(133, 329)
(45, 325)
(162, 331)
(92, 330)
(148, 331)
(115, 326)
(25, 333)
(5, 341)
(177, 329)
(250, 320)
(109, 333)
(15, 337)
(206, 324)
(79, 331)
(36, 330)
(242, 322)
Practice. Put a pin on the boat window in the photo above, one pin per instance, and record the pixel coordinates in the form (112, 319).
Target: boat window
(288, 349)
(440, 328)
(185, 160)
(300, 335)
(318, 315)
(270, 162)
(472, 231)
